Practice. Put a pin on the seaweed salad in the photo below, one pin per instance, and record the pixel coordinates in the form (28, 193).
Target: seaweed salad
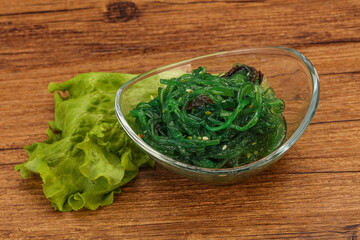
(213, 121)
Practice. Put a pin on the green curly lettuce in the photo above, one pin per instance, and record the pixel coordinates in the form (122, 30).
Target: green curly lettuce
(87, 156)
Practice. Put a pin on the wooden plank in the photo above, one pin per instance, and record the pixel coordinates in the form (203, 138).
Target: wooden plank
(16, 112)
(269, 205)
(63, 38)
(315, 152)
(312, 192)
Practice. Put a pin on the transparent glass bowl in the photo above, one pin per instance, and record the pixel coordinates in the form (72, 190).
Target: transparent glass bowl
(288, 72)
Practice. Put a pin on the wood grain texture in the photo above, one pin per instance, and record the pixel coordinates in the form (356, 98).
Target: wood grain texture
(313, 192)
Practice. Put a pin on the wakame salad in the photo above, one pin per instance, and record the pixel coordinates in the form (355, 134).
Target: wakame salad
(213, 121)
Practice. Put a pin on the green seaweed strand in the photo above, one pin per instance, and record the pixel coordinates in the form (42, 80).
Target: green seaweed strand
(213, 121)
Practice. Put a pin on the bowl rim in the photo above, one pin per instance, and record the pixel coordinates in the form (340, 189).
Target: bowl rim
(226, 171)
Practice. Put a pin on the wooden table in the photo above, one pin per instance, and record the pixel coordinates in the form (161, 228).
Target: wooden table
(313, 192)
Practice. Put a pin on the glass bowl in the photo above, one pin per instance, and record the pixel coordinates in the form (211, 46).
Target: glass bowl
(288, 72)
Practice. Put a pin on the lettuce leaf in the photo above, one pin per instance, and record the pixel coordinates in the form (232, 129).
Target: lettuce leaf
(87, 156)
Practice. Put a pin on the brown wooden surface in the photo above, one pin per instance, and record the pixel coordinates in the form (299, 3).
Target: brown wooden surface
(313, 192)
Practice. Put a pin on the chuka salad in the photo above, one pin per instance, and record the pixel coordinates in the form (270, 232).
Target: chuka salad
(213, 121)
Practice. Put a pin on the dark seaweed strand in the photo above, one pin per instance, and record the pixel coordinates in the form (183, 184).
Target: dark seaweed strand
(254, 74)
(211, 121)
(234, 70)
